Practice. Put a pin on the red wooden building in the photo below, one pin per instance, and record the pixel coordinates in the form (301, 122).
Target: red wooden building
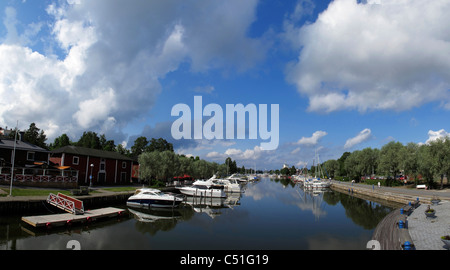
(105, 167)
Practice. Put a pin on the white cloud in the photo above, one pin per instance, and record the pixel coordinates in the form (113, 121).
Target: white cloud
(238, 154)
(434, 135)
(313, 140)
(362, 136)
(295, 151)
(387, 55)
(112, 55)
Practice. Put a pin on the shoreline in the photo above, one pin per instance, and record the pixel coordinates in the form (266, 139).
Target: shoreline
(421, 232)
(19, 205)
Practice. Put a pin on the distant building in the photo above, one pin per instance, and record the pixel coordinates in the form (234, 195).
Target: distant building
(105, 167)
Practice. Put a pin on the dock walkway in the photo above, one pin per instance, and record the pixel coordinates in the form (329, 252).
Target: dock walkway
(55, 220)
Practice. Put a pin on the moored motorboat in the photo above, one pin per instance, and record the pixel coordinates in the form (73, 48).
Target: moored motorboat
(204, 189)
(230, 185)
(150, 197)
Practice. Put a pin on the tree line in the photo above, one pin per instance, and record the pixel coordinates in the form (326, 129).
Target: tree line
(428, 163)
(90, 139)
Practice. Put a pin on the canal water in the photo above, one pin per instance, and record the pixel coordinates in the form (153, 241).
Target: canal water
(268, 215)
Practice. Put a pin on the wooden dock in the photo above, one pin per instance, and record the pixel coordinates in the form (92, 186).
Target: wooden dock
(390, 235)
(55, 220)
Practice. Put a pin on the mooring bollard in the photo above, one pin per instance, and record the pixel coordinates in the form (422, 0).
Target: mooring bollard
(401, 211)
(401, 224)
(407, 245)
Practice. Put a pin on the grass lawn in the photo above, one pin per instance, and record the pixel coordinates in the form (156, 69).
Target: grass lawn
(120, 189)
(45, 192)
(32, 192)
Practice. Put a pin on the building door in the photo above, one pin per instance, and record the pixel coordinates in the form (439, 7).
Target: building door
(101, 177)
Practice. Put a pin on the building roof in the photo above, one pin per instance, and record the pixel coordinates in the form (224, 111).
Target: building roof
(83, 151)
(20, 145)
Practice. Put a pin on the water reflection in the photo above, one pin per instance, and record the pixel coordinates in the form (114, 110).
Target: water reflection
(271, 214)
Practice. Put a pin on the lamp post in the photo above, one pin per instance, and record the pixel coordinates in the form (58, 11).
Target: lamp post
(90, 177)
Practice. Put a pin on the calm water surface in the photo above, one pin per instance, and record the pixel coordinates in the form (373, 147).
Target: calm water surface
(268, 215)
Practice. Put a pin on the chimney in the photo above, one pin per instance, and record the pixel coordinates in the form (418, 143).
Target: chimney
(22, 136)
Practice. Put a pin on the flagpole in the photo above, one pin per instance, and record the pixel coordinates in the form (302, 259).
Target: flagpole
(13, 158)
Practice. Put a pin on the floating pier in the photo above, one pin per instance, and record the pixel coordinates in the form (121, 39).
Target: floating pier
(50, 221)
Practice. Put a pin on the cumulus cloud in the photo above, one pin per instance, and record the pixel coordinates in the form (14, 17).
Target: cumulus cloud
(108, 57)
(434, 135)
(362, 136)
(373, 55)
(313, 140)
(238, 154)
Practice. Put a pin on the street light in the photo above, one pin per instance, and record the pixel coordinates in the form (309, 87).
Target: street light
(90, 177)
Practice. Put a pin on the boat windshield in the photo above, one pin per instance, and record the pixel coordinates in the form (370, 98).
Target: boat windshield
(158, 193)
(200, 186)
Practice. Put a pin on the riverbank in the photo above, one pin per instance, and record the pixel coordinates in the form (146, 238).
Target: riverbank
(423, 233)
(97, 197)
(399, 195)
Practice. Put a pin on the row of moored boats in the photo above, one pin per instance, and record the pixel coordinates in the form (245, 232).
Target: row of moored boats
(311, 183)
(210, 188)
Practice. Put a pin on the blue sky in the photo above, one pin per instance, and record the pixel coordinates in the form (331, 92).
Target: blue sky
(346, 74)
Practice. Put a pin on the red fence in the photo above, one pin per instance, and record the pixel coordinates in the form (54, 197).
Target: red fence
(39, 178)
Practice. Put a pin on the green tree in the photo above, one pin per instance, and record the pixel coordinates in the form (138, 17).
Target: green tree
(160, 145)
(440, 158)
(332, 167)
(410, 160)
(368, 160)
(293, 170)
(122, 150)
(425, 164)
(35, 136)
(89, 139)
(390, 159)
(60, 141)
(139, 146)
(285, 171)
(149, 166)
(107, 145)
(353, 166)
(342, 171)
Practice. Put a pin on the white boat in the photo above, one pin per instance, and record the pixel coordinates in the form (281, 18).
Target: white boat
(150, 197)
(204, 188)
(238, 178)
(230, 185)
(316, 183)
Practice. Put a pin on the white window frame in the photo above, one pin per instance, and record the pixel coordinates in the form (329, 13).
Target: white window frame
(28, 155)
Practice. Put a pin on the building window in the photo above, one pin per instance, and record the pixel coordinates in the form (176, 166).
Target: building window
(124, 164)
(102, 164)
(75, 160)
(30, 156)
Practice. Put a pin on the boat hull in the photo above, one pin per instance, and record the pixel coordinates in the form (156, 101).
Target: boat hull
(213, 193)
(146, 203)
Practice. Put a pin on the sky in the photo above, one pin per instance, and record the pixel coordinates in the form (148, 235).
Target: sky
(345, 74)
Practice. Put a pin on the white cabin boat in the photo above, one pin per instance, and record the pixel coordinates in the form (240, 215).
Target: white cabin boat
(150, 197)
(204, 189)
